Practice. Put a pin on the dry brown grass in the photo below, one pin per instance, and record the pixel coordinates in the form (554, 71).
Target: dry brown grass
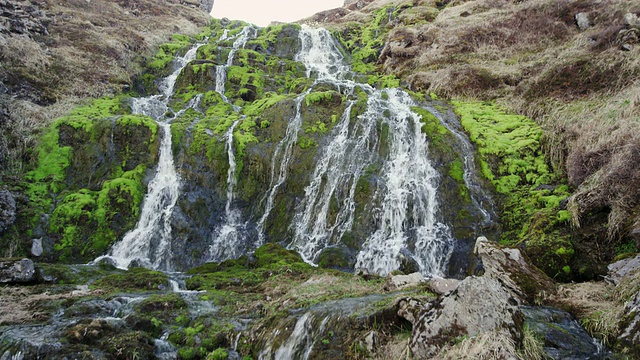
(485, 346)
(597, 142)
(598, 307)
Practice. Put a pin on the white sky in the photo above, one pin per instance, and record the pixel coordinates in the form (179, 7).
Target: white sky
(262, 12)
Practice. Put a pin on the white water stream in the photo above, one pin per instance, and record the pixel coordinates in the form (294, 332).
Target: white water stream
(229, 240)
(150, 242)
(405, 203)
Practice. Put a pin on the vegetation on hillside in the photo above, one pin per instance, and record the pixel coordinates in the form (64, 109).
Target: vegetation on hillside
(531, 58)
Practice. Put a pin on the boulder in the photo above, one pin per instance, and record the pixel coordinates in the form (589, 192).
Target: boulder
(631, 20)
(621, 269)
(36, 247)
(563, 336)
(443, 286)
(513, 270)
(16, 271)
(629, 337)
(582, 21)
(402, 281)
(477, 305)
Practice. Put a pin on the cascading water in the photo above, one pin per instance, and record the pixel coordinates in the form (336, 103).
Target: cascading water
(284, 151)
(408, 195)
(230, 239)
(321, 58)
(338, 168)
(406, 214)
(245, 35)
(150, 242)
(300, 343)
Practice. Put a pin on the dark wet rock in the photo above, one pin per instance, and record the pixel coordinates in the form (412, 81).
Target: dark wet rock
(563, 336)
(7, 209)
(17, 271)
(107, 262)
(477, 305)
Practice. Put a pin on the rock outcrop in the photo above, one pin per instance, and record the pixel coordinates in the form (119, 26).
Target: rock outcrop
(513, 270)
(477, 305)
(7, 209)
(625, 275)
(16, 271)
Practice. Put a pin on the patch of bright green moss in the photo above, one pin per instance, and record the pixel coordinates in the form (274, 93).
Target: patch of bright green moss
(511, 157)
(133, 280)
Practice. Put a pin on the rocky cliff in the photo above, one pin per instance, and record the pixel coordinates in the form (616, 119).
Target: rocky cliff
(534, 147)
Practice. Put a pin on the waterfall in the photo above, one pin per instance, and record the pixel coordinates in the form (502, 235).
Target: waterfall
(229, 241)
(150, 242)
(300, 344)
(245, 35)
(408, 193)
(405, 204)
(338, 168)
(284, 150)
(322, 58)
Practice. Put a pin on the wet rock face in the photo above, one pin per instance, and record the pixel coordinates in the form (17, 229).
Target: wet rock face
(7, 209)
(477, 305)
(16, 271)
(563, 336)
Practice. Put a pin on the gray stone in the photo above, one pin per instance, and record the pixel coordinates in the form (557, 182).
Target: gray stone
(371, 342)
(36, 247)
(443, 286)
(403, 281)
(17, 271)
(620, 269)
(630, 334)
(563, 336)
(477, 305)
(510, 267)
(7, 209)
(582, 20)
(631, 20)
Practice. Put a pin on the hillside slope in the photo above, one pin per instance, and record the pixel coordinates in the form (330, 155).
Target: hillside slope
(572, 66)
(55, 54)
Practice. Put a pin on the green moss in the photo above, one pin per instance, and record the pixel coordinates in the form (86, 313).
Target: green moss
(133, 280)
(511, 159)
(364, 43)
(305, 143)
(218, 354)
(318, 97)
(167, 51)
(139, 120)
(259, 106)
(456, 171)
